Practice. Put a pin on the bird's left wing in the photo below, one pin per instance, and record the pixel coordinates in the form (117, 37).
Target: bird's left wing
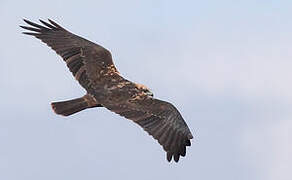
(161, 120)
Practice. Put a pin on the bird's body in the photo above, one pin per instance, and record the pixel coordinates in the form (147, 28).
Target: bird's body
(93, 68)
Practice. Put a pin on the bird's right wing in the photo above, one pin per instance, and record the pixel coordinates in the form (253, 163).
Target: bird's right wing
(84, 58)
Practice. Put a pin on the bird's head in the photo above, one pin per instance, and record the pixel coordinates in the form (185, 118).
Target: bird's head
(144, 89)
(148, 92)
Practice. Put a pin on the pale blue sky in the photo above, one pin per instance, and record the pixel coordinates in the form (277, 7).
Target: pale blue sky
(225, 65)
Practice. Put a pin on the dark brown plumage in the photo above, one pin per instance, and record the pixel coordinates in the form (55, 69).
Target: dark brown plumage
(93, 68)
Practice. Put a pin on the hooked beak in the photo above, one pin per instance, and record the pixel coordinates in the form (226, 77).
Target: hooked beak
(149, 93)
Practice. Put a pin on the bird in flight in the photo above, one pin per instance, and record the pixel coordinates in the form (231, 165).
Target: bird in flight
(93, 67)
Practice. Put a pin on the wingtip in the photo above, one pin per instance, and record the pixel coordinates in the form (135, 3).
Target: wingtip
(31, 34)
(168, 156)
(190, 136)
(40, 20)
(55, 24)
(25, 20)
(47, 24)
(176, 157)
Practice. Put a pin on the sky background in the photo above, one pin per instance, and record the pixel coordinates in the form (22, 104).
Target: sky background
(225, 65)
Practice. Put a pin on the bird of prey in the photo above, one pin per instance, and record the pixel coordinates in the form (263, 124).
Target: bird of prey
(93, 67)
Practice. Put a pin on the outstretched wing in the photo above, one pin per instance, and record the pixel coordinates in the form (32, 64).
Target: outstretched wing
(161, 120)
(85, 59)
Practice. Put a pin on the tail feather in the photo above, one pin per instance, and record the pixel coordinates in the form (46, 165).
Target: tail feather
(66, 108)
